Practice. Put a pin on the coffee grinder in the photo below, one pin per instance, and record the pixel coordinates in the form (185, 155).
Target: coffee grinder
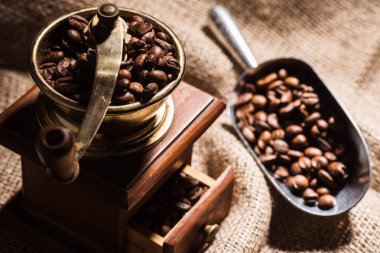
(87, 169)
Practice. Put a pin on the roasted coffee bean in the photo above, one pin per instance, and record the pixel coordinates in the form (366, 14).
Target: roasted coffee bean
(305, 163)
(48, 74)
(47, 65)
(278, 134)
(303, 111)
(137, 18)
(337, 170)
(281, 173)
(312, 118)
(63, 67)
(259, 101)
(273, 85)
(287, 97)
(280, 146)
(247, 109)
(122, 85)
(313, 183)
(274, 104)
(157, 51)
(74, 36)
(286, 109)
(322, 124)
(273, 120)
(260, 116)
(265, 136)
(299, 142)
(126, 98)
(324, 144)
(266, 80)
(141, 28)
(330, 156)
(312, 151)
(310, 196)
(269, 150)
(162, 36)
(243, 99)
(148, 37)
(293, 130)
(183, 205)
(196, 194)
(319, 162)
(149, 90)
(289, 182)
(326, 201)
(262, 125)
(282, 73)
(78, 22)
(166, 46)
(300, 183)
(140, 61)
(325, 178)
(295, 169)
(158, 76)
(143, 76)
(292, 82)
(322, 191)
(56, 57)
(123, 73)
(248, 134)
(294, 153)
(169, 63)
(267, 159)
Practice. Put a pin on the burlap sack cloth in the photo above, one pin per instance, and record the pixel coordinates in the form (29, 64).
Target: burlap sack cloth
(341, 39)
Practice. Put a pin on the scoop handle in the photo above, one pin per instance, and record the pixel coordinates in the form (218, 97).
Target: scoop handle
(228, 33)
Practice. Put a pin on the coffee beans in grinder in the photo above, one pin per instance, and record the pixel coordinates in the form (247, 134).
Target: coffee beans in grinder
(149, 63)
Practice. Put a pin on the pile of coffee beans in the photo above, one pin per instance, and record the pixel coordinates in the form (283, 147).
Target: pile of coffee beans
(149, 62)
(170, 203)
(282, 120)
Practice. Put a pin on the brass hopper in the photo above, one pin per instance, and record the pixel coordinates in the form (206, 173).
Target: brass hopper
(105, 130)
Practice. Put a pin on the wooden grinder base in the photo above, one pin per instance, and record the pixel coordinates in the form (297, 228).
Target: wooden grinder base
(95, 210)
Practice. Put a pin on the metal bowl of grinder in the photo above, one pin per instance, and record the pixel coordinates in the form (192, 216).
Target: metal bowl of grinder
(227, 32)
(125, 128)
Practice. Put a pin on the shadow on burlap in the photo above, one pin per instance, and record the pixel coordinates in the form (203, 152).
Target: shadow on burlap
(341, 39)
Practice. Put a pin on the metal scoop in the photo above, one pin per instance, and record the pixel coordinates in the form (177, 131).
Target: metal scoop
(226, 31)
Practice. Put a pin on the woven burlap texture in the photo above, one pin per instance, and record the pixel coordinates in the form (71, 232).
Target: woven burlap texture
(340, 39)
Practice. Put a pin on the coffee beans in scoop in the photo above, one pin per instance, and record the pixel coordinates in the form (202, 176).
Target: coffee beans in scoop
(149, 62)
(281, 118)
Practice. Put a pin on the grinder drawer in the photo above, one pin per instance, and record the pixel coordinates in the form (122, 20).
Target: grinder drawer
(162, 225)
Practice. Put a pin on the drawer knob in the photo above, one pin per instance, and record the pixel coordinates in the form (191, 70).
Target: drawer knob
(210, 232)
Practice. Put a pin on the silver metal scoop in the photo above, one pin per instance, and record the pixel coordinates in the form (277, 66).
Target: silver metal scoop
(225, 29)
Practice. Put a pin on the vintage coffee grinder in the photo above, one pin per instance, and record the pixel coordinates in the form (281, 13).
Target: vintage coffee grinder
(104, 162)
